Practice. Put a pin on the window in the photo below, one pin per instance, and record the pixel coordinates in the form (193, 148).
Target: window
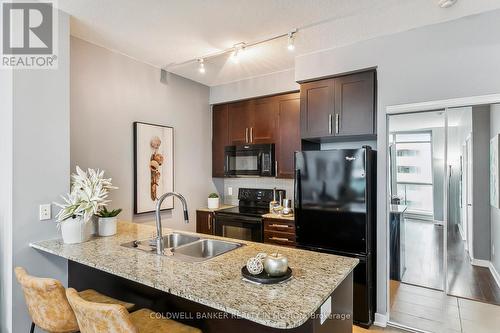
(413, 171)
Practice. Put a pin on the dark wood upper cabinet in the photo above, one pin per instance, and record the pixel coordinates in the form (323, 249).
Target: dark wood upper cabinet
(317, 108)
(263, 127)
(338, 107)
(220, 138)
(240, 117)
(355, 104)
(288, 134)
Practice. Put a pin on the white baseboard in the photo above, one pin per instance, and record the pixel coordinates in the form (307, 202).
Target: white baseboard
(495, 274)
(480, 263)
(380, 320)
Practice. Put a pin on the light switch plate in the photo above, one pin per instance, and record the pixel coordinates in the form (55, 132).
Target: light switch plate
(229, 190)
(45, 212)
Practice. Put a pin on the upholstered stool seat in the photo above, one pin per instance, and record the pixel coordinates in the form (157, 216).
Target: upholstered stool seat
(91, 295)
(101, 318)
(48, 306)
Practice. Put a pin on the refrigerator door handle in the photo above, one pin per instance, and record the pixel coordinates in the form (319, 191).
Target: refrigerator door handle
(296, 198)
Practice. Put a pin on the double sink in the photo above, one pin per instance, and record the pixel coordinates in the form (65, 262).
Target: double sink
(186, 247)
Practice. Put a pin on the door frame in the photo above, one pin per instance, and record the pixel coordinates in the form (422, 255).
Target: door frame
(469, 146)
(384, 318)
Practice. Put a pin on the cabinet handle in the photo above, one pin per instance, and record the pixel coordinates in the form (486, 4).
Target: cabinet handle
(246, 135)
(251, 134)
(276, 169)
(279, 225)
(337, 123)
(209, 224)
(280, 239)
(330, 123)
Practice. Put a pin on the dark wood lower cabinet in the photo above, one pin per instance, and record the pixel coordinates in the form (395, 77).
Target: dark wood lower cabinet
(205, 222)
(279, 232)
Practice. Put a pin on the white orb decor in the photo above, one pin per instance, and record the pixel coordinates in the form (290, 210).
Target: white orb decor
(255, 266)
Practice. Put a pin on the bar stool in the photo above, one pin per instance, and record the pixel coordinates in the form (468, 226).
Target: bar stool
(48, 306)
(100, 318)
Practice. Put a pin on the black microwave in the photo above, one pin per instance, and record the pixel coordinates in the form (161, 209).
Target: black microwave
(249, 160)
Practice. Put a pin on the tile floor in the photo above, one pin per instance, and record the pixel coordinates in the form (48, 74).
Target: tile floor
(434, 311)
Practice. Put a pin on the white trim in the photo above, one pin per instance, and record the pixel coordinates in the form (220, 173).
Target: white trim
(443, 104)
(495, 274)
(461, 231)
(406, 328)
(480, 262)
(380, 320)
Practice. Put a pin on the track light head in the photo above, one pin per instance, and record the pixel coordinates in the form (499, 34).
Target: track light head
(446, 3)
(291, 40)
(201, 66)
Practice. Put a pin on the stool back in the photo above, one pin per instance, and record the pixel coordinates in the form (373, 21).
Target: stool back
(47, 303)
(99, 317)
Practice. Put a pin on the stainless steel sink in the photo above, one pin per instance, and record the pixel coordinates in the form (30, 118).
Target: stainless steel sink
(204, 249)
(186, 247)
(170, 241)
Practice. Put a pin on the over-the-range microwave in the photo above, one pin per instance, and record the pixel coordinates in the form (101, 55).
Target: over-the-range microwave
(249, 160)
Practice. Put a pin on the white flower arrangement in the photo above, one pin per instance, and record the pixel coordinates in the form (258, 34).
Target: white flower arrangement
(89, 191)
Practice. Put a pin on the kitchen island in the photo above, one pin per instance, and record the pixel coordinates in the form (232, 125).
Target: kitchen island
(211, 295)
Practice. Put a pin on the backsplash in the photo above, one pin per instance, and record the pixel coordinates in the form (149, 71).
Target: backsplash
(223, 185)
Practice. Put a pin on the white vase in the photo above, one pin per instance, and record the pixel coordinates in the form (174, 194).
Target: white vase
(107, 226)
(75, 230)
(213, 203)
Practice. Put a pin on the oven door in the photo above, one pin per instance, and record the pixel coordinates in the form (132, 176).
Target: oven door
(239, 227)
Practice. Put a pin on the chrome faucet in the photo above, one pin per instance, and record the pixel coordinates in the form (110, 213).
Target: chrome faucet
(159, 234)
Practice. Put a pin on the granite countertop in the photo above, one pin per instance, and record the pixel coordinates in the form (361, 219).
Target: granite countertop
(280, 217)
(221, 207)
(217, 282)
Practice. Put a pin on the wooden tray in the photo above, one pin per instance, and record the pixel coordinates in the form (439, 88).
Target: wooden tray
(264, 278)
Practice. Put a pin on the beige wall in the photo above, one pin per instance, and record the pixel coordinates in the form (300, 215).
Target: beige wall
(110, 91)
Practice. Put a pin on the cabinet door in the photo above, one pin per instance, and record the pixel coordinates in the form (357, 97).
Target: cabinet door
(264, 120)
(204, 222)
(317, 109)
(220, 138)
(355, 104)
(288, 141)
(240, 121)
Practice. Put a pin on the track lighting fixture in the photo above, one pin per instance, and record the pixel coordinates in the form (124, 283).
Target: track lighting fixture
(201, 65)
(291, 40)
(238, 52)
(446, 3)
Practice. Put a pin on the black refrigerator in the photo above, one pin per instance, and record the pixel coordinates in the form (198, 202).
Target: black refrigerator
(335, 212)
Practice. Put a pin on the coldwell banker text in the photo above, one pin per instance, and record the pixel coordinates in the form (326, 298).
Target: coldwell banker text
(29, 39)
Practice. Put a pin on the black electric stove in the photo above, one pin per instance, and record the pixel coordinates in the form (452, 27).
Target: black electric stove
(245, 220)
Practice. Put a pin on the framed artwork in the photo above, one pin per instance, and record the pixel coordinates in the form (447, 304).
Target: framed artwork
(494, 172)
(153, 166)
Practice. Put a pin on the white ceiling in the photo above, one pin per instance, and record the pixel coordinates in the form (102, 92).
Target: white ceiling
(161, 32)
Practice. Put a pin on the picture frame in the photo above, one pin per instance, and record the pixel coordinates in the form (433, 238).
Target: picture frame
(153, 166)
(494, 171)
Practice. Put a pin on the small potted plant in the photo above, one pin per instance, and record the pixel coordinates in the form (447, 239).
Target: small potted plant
(213, 201)
(107, 221)
(88, 194)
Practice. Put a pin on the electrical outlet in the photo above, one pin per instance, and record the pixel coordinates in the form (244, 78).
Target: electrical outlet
(45, 212)
(229, 190)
